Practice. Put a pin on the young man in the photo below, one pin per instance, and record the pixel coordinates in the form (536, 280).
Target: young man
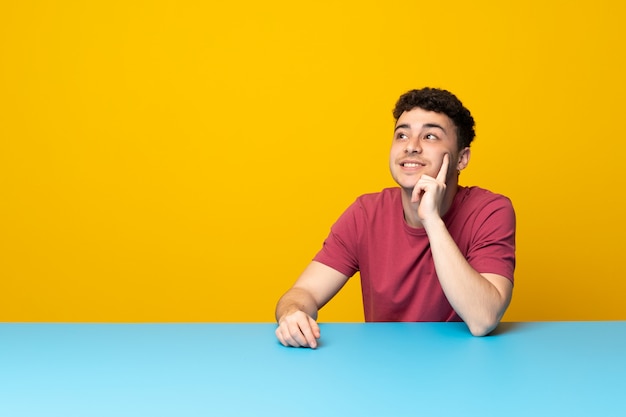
(428, 250)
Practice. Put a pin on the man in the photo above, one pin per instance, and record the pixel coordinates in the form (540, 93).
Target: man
(428, 250)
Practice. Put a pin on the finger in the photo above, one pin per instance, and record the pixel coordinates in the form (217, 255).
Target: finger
(312, 333)
(309, 339)
(280, 337)
(418, 192)
(288, 335)
(301, 334)
(443, 171)
(299, 330)
(315, 327)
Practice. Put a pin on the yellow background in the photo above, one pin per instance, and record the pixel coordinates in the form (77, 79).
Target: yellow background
(184, 160)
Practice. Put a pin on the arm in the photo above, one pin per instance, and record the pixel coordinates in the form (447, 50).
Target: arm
(479, 299)
(296, 310)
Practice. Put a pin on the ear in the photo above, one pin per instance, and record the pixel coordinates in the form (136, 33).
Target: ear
(463, 160)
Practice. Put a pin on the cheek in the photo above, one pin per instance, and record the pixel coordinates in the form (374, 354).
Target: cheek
(392, 154)
(393, 157)
(396, 149)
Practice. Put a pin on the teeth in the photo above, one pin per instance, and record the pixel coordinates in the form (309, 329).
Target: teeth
(411, 165)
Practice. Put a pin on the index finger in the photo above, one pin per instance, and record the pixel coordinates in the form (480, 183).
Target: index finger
(443, 171)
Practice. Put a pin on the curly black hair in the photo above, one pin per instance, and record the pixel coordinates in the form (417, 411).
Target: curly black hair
(440, 101)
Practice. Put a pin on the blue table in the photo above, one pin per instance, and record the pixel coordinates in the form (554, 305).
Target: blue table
(376, 369)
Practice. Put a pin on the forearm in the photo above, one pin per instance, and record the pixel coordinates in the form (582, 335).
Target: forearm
(475, 298)
(296, 299)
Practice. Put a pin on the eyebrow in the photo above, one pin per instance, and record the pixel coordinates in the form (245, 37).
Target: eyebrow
(402, 126)
(426, 125)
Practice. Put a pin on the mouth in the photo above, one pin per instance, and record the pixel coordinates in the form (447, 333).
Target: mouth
(411, 164)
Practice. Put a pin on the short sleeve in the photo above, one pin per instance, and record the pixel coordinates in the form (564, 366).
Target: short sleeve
(340, 248)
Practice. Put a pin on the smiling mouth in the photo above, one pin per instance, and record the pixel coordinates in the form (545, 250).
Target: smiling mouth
(411, 164)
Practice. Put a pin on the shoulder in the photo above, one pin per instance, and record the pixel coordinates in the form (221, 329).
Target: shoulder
(478, 197)
(480, 206)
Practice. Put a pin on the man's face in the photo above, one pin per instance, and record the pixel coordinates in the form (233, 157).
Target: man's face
(421, 139)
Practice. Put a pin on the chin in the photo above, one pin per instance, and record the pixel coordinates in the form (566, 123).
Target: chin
(406, 184)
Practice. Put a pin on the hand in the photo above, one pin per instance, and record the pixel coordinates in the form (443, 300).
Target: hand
(298, 329)
(429, 192)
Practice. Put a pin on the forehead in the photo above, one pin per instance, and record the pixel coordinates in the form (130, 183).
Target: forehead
(417, 117)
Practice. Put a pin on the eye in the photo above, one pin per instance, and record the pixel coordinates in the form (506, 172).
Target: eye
(401, 136)
(430, 136)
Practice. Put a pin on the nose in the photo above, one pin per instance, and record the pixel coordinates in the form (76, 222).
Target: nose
(413, 146)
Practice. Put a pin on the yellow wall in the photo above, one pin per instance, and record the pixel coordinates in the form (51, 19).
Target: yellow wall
(183, 160)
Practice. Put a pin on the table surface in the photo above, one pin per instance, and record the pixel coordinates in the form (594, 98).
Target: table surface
(360, 369)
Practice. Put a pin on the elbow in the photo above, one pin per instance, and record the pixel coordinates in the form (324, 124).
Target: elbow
(480, 331)
(484, 327)
(485, 320)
